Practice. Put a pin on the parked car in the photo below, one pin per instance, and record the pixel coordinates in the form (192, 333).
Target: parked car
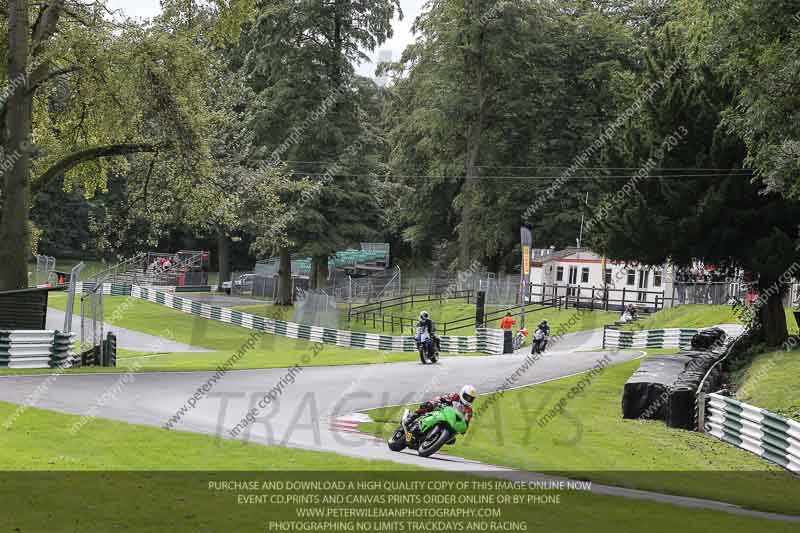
(240, 284)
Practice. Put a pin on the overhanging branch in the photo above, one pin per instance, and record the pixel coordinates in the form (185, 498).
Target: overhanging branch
(98, 152)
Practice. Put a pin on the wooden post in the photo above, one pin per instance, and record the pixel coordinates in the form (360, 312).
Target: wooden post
(592, 297)
(578, 301)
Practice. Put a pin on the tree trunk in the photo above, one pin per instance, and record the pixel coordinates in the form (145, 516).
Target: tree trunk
(773, 320)
(223, 258)
(319, 272)
(14, 229)
(284, 278)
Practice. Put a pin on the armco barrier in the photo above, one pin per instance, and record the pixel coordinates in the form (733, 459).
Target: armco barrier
(766, 434)
(34, 348)
(653, 338)
(485, 341)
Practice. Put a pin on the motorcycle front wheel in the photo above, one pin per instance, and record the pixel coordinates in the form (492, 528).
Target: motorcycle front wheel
(434, 440)
(397, 442)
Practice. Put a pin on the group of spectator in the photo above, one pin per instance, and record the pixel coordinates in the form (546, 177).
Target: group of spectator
(163, 263)
(699, 273)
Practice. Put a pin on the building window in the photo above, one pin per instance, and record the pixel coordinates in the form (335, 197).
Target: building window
(656, 278)
(584, 275)
(631, 277)
(608, 276)
(559, 273)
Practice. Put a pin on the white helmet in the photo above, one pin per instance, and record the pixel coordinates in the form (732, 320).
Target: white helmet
(468, 394)
(423, 315)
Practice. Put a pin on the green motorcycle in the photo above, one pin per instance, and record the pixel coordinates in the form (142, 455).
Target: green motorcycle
(428, 433)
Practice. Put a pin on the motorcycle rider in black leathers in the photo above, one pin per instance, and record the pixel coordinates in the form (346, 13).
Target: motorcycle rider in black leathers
(428, 325)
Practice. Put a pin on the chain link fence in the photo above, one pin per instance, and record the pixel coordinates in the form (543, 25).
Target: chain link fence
(710, 293)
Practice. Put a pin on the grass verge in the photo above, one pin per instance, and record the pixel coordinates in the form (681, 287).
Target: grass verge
(174, 478)
(590, 440)
(772, 381)
(696, 316)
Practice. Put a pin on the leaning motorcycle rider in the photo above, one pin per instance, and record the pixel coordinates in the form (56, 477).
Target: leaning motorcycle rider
(461, 402)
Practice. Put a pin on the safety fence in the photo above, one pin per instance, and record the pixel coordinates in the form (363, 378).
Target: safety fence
(653, 338)
(485, 341)
(108, 289)
(766, 434)
(34, 348)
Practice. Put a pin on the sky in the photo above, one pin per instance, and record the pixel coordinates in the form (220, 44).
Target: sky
(402, 29)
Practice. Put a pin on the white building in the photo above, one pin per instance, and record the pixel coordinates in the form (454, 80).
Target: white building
(582, 276)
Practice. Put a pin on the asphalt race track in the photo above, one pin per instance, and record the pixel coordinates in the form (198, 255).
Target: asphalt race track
(301, 412)
(316, 407)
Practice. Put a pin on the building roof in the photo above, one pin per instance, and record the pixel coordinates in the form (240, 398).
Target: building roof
(566, 252)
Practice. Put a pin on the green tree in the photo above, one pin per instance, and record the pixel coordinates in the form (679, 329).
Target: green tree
(548, 74)
(723, 217)
(85, 93)
(313, 108)
(755, 46)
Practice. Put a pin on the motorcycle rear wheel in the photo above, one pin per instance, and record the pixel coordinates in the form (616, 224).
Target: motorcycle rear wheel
(434, 440)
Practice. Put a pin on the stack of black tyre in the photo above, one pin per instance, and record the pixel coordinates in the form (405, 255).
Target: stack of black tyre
(664, 387)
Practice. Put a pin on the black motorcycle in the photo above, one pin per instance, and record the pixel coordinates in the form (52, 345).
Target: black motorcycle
(539, 344)
(426, 346)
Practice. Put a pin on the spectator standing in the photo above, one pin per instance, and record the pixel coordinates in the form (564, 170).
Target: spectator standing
(506, 323)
